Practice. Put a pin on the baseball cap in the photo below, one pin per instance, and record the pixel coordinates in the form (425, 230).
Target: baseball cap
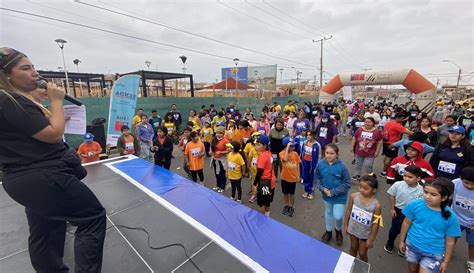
(88, 137)
(263, 139)
(287, 140)
(457, 129)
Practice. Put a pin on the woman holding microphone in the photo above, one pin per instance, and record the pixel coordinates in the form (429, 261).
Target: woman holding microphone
(39, 171)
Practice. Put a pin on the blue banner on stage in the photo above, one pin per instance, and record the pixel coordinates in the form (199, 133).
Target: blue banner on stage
(123, 100)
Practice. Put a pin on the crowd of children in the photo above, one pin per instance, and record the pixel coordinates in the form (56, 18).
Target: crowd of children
(430, 202)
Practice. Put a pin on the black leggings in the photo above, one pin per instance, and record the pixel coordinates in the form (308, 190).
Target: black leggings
(236, 184)
(52, 196)
(164, 164)
(396, 226)
(194, 175)
(220, 177)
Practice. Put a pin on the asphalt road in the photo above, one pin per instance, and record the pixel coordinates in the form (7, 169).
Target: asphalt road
(309, 216)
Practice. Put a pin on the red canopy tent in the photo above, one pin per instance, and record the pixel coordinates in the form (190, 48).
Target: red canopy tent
(231, 84)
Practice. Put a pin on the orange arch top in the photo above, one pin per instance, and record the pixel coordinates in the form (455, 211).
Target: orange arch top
(416, 83)
(333, 85)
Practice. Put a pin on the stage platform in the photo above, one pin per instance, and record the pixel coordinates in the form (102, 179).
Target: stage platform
(219, 234)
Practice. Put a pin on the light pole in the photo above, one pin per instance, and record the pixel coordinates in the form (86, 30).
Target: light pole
(281, 76)
(76, 62)
(183, 59)
(321, 60)
(459, 73)
(256, 86)
(236, 61)
(148, 63)
(298, 73)
(61, 43)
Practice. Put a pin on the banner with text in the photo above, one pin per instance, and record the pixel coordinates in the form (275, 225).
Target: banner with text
(123, 100)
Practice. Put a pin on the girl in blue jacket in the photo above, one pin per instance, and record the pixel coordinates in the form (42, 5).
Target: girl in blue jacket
(309, 152)
(333, 180)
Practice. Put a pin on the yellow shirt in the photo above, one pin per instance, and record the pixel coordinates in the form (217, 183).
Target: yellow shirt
(234, 165)
(252, 156)
(277, 108)
(206, 134)
(215, 120)
(290, 108)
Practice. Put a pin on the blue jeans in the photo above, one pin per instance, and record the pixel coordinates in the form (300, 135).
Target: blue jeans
(334, 215)
(430, 262)
(145, 152)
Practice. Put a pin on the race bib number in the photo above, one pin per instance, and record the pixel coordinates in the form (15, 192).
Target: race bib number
(466, 121)
(129, 146)
(170, 129)
(231, 166)
(156, 124)
(359, 124)
(332, 116)
(254, 162)
(323, 132)
(274, 157)
(400, 168)
(185, 141)
(196, 152)
(464, 203)
(300, 125)
(446, 167)
(314, 112)
(367, 135)
(245, 139)
(206, 132)
(262, 132)
(361, 216)
(308, 150)
(413, 115)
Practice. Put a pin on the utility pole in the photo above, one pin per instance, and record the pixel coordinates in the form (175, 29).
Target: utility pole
(321, 60)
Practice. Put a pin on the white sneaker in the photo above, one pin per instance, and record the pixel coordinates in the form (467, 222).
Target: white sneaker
(232, 198)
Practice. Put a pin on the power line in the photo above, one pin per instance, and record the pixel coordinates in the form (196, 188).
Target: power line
(185, 31)
(297, 20)
(279, 18)
(126, 35)
(261, 21)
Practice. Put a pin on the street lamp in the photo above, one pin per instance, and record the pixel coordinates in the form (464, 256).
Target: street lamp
(61, 43)
(148, 63)
(183, 59)
(281, 76)
(236, 61)
(298, 73)
(76, 62)
(459, 72)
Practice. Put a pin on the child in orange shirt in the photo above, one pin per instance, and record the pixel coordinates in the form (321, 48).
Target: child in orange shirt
(90, 149)
(194, 157)
(290, 174)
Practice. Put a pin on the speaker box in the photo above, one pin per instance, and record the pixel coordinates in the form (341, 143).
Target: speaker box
(99, 134)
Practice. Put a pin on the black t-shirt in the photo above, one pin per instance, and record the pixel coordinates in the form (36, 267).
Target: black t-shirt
(18, 123)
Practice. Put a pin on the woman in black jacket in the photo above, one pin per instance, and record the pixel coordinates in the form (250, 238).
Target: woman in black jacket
(163, 148)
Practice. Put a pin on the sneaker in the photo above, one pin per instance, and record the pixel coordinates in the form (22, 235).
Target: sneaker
(285, 210)
(470, 267)
(239, 201)
(339, 237)
(383, 174)
(220, 190)
(291, 211)
(252, 198)
(401, 254)
(326, 237)
(301, 181)
(215, 189)
(310, 196)
(355, 177)
(304, 195)
(388, 248)
(232, 198)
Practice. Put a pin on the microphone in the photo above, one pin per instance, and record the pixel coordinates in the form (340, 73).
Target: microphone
(43, 84)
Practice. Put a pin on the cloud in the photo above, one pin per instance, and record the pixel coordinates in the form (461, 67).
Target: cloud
(377, 34)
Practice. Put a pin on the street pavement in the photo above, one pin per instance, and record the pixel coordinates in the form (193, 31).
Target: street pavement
(309, 216)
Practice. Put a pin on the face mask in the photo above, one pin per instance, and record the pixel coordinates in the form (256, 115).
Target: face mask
(324, 120)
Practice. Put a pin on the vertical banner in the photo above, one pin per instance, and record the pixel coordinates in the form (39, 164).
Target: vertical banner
(123, 100)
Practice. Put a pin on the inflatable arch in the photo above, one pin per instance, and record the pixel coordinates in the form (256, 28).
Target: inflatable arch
(423, 89)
